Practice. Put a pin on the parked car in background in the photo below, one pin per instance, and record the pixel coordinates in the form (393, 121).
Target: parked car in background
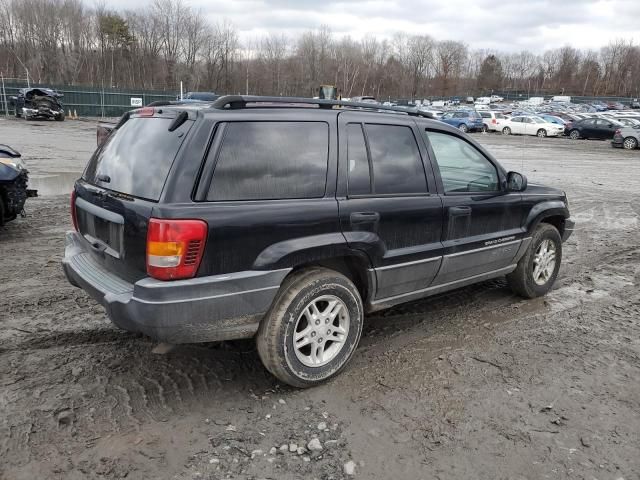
(626, 137)
(496, 98)
(14, 179)
(627, 121)
(531, 125)
(465, 120)
(470, 100)
(492, 121)
(561, 99)
(553, 119)
(594, 128)
(199, 96)
(32, 103)
(364, 99)
(615, 106)
(635, 103)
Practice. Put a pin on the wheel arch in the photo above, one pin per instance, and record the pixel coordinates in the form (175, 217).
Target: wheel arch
(553, 212)
(354, 265)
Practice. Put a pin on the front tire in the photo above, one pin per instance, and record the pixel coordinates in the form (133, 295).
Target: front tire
(538, 269)
(630, 143)
(312, 328)
(542, 133)
(574, 134)
(463, 128)
(506, 131)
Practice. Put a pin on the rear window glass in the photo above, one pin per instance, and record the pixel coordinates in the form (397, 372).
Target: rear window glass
(137, 158)
(271, 160)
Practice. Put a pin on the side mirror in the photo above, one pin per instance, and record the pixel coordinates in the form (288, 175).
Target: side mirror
(516, 182)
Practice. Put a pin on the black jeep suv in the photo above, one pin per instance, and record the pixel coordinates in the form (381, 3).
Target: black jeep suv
(288, 219)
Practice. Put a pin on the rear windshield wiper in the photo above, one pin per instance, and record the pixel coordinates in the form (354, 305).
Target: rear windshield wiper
(179, 120)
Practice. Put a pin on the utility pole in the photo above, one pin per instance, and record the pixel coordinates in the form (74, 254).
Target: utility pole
(4, 97)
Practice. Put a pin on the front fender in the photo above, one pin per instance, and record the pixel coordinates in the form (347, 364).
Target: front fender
(542, 210)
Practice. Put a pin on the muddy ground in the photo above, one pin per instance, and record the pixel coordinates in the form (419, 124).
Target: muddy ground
(473, 384)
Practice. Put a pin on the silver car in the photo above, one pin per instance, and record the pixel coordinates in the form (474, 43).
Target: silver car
(627, 138)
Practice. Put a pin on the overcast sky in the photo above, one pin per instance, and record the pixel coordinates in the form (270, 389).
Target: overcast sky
(508, 25)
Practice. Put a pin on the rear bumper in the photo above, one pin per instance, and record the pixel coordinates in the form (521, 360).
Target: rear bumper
(203, 309)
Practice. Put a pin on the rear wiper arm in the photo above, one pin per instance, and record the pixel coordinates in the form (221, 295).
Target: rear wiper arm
(179, 120)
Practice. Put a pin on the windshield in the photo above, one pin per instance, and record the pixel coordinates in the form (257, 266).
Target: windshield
(136, 158)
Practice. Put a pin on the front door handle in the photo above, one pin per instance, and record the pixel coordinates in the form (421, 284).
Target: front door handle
(459, 210)
(364, 217)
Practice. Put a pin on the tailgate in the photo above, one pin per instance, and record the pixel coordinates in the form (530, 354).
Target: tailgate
(114, 228)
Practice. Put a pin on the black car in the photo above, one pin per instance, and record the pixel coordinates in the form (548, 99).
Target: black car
(287, 220)
(35, 103)
(597, 128)
(14, 179)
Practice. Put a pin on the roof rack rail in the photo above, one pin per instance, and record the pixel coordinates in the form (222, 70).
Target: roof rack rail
(236, 102)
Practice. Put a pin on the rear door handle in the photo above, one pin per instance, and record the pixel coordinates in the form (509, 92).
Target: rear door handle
(364, 217)
(459, 210)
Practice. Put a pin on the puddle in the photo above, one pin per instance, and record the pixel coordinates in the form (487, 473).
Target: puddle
(52, 184)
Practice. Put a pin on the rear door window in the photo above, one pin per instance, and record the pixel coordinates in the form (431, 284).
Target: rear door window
(136, 159)
(271, 160)
(396, 161)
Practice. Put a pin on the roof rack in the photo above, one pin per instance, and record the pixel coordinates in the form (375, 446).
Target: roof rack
(237, 102)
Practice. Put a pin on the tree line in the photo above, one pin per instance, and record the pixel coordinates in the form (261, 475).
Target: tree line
(159, 45)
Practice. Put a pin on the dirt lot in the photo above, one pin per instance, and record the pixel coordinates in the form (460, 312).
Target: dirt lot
(476, 384)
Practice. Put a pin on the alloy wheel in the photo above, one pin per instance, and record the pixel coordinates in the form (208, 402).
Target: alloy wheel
(544, 262)
(630, 143)
(321, 331)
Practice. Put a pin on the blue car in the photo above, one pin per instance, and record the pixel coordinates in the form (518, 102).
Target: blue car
(552, 119)
(465, 120)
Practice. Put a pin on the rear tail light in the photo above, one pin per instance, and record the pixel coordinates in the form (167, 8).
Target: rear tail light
(618, 132)
(74, 216)
(494, 121)
(175, 248)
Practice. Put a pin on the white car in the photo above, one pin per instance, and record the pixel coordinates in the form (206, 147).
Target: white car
(531, 125)
(493, 121)
(496, 98)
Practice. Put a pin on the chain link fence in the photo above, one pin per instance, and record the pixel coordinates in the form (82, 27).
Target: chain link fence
(86, 101)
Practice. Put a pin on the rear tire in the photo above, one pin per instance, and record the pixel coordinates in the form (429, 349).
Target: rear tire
(304, 304)
(506, 131)
(535, 274)
(463, 128)
(60, 118)
(630, 143)
(485, 129)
